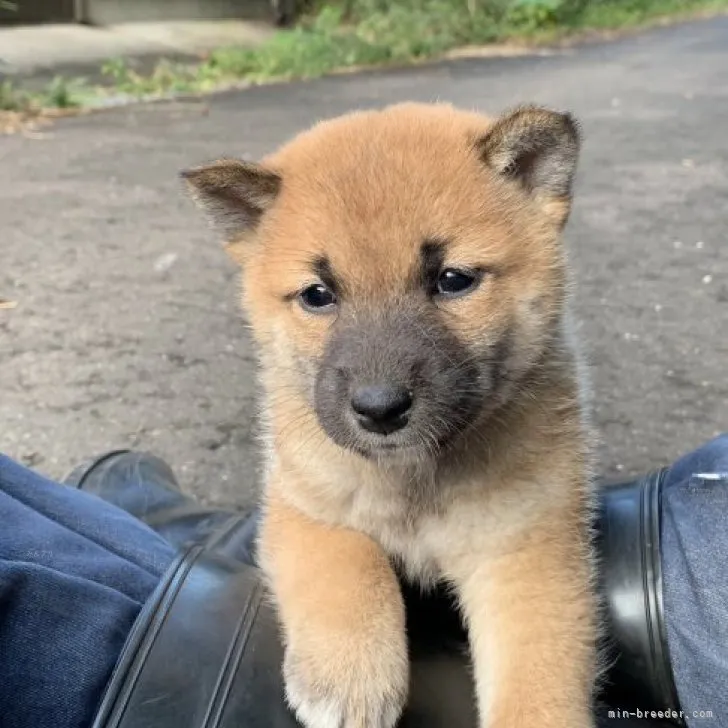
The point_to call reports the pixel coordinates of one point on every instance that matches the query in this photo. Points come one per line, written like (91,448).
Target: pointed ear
(234,194)
(539,149)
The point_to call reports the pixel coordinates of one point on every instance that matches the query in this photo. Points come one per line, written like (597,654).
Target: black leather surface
(204,654)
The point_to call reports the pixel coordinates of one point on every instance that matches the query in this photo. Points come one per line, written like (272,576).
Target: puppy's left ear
(538,149)
(234,194)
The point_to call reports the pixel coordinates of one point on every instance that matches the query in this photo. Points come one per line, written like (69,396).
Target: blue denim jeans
(695,581)
(74,573)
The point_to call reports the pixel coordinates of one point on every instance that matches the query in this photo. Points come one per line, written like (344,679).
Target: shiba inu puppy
(405,280)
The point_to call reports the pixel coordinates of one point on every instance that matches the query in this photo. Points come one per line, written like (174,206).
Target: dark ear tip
(190,174)
(572,125)
(568,124)
(219,165)
(565,120)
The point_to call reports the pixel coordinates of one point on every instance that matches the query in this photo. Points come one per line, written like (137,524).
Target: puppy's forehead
(369,189)
(403,152)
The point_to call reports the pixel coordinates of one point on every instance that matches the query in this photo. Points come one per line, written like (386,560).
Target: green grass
(356,33)
(11,98)
(60,93)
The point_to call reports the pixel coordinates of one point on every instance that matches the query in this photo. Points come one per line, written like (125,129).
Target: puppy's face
(402,268)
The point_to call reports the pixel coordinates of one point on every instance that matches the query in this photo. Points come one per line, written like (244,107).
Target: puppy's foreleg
(343,622)
(531,619)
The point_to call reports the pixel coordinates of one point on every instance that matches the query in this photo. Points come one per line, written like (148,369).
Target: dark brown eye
(453,282)
(317,298)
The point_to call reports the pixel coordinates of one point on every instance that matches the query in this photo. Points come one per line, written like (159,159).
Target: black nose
(382,407)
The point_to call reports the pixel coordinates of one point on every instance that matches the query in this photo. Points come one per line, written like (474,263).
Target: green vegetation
(11,98)
(356,33)
(63,93)
(60,93)
(353,33)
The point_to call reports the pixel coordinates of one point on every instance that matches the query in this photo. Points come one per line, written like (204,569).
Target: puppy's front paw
(341,685)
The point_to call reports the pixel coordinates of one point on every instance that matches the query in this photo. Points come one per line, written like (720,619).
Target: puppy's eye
(317,298)
(452,282)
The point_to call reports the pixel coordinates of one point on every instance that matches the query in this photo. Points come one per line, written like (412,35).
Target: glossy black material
(203,653)
(145,486)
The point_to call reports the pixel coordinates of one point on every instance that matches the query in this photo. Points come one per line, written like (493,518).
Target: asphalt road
(126,331)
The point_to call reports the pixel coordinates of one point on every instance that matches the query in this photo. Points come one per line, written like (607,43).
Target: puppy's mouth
(389,451)
(412,441)
(372,445)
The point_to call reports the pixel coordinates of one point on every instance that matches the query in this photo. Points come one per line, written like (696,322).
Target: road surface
(126,331)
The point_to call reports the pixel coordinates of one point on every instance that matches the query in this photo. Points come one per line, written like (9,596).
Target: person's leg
(695,580)
(74,573)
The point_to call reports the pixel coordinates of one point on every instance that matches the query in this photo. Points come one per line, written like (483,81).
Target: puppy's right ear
(234,194)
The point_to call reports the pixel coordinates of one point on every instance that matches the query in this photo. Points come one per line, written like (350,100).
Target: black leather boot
(206,651)
(145,486)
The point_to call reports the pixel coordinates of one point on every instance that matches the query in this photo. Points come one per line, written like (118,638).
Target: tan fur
(507,521)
